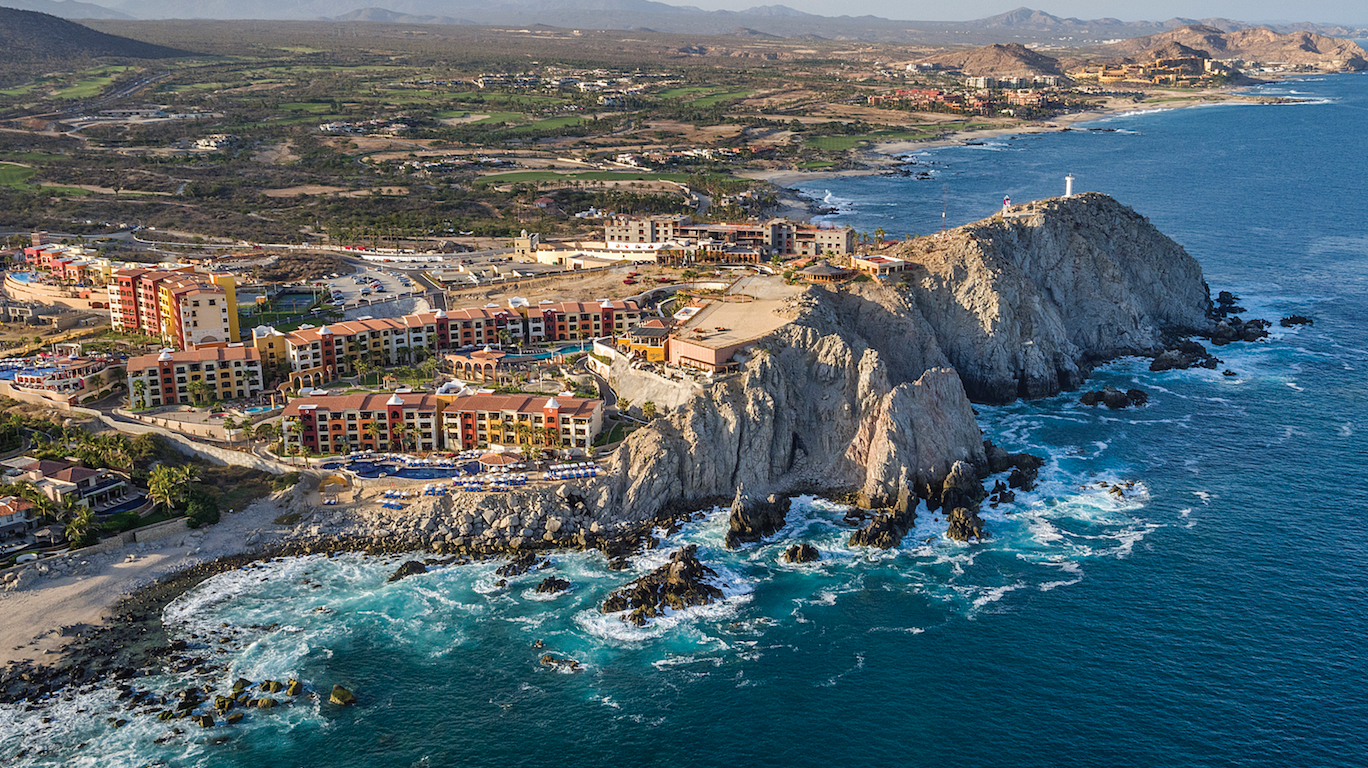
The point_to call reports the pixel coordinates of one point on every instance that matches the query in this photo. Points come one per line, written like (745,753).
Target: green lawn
(817,165)
(14,175)
(551,124)
(675,93)
(520,176)
(708,101)
(96,80)
(32,157)
(500,117)
(19,90)
(312,107)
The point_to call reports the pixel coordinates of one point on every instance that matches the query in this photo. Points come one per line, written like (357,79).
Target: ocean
(1210,611)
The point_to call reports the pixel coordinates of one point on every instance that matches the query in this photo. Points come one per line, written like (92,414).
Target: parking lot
(372,284)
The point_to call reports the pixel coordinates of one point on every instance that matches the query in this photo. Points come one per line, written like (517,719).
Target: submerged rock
(676,585)
(1291,320)
(519,565)
(410,568)
(1114,398)
(752,519)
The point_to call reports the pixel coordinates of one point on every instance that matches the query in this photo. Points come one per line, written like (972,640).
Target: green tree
(199,391)
(139,394)
(648,409)
(81,530)
(230,426)
(166,486)
(373,432)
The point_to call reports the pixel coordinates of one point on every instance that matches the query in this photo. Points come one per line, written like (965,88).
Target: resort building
(178,305)
(483,420)
(319,355)
(647,341)
(16,517)
(229,372)
(484,365)
(824,273)
(60,381)
(880,267)
(773,237)
(402,421)
(102,490)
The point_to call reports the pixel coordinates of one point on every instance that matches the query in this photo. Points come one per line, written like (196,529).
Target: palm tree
(199,390)
(399,431)
(364,368)
(230,426)
(80,526)
(648,409)
(139,394)
(373,432)
(165,486)
(430,366)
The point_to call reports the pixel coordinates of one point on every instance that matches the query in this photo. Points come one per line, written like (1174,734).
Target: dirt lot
(318,189)
(590,287)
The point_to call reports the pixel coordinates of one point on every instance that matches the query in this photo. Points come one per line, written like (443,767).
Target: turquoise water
(22,277)
(1214,616)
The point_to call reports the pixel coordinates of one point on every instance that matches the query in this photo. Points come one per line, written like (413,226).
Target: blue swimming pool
(22,277)
(374,469)
(131,504)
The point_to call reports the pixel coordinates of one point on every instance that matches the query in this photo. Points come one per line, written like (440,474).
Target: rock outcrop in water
(1025,306)
(754,519)
(678,584)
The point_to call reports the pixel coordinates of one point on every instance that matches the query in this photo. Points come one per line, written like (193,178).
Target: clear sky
(1321,11)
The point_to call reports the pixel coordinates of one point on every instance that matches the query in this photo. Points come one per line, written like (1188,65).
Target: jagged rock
(678,584)
(266,703)
(1291,320)
(1137,397)
(235,718)
(885,530)
(551,661)
(801,553)
(1228,372)
(965,524)
(752,520)
(294,688)
(962,487)
(1114,398)
(410,568)
(551,585)
(203,721)
(520,564)
(272,686)
(341,696)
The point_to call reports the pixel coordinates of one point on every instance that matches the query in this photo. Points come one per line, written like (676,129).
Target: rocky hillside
(999,60)
(30,36)
(1257,44)
(1023,307)
(854,394)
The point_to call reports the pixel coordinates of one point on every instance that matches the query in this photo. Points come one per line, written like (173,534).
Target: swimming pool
(373,469)
(22,277)
(254,410)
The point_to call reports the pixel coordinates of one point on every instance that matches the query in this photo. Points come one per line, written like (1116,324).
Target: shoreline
(882,157)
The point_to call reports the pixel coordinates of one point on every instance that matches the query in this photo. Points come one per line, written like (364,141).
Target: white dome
(441,314)
(552,404)
(395,400)
(324,331)
(164,356)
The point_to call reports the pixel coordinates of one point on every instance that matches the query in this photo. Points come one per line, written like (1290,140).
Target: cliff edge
(1024,306)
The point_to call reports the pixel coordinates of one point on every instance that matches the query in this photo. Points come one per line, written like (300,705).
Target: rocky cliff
(1024,306)
(854,393)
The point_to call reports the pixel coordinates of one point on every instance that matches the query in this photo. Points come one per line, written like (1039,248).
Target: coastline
(882,157)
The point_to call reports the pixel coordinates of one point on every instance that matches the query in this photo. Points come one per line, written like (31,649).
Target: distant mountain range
(30,36)
(1302,48)
(1023,25)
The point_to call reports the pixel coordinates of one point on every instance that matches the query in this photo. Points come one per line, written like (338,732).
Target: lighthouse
(1068,185)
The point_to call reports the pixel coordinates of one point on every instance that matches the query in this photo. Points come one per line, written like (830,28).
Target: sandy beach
(32,617)
(884,156)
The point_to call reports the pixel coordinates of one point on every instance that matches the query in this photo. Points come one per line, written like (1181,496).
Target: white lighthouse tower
(1068,185)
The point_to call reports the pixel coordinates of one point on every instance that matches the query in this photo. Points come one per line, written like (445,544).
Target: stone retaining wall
(191,447)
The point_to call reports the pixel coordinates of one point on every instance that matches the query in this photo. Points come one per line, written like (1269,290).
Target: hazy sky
(1323,11)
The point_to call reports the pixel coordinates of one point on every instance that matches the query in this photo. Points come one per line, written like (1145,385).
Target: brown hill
(1259,44)
(30,36)
(999,60)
